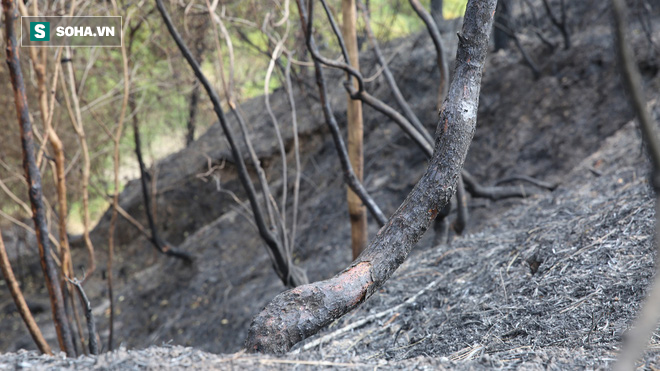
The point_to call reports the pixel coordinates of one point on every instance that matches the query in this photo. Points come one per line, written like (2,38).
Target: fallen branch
(493,193)
(301,312)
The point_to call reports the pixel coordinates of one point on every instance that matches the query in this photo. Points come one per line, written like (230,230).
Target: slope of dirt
(479,298)
(553,284)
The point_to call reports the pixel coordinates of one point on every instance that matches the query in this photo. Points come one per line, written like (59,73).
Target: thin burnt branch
(91,324)
(530,180)
(360,93)
(398,96)
(432,27)
(512,34)
(161,245)
(561,25)
(33,177)
(349,175)
(289,274)
(493,193)
(303,311)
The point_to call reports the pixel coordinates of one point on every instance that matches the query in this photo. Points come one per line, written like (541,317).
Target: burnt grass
(550,281)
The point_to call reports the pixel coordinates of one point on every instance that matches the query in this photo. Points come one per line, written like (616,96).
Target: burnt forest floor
(550,281)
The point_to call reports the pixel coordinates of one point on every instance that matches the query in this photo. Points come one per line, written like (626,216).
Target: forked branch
(288,273)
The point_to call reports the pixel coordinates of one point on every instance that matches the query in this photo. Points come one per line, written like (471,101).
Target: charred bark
(301,312)
(91,324)
(192,115)
(33,177)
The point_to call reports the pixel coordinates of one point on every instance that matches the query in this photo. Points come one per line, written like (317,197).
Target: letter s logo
(39,31)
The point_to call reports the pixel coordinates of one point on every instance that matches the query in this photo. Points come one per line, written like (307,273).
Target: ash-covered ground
(552,281)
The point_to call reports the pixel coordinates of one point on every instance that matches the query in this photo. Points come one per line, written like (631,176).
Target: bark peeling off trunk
(296,314)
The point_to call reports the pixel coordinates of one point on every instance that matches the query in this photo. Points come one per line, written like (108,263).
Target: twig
(512,34)
(432,28)
(560,24)
(296,147)
(91,324)
(530,180)
(161,245)
(396,92)
(76,121)
(278,135)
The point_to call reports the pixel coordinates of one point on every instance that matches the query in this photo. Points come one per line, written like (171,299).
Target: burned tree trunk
(33,177)
(356,209)
(301,312)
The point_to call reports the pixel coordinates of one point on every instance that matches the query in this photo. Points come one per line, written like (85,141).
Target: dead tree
(301,312)
(356,210)
(289,274)
(33,177)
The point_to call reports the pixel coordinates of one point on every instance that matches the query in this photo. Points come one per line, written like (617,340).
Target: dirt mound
(565,270)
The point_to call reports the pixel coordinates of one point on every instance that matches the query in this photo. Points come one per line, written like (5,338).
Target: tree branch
(289,274)
(303,311)
(21,305)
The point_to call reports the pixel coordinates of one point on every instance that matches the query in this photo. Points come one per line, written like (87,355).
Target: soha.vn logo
(39,31)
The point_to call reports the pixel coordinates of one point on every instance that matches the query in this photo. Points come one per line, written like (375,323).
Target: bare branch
(91,324)
(432,27)
(288,273)
(21,305)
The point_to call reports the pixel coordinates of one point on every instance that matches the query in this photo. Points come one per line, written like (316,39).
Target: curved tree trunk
(301,312)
